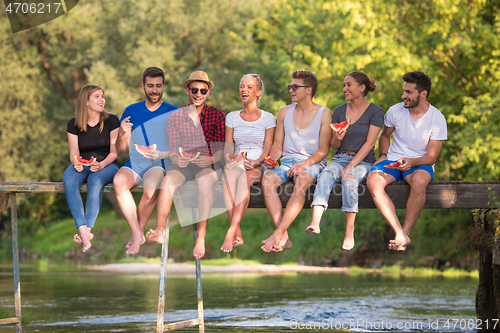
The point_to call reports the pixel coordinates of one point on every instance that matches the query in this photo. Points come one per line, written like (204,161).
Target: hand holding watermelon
(235,159)
(340,127)
(271,163)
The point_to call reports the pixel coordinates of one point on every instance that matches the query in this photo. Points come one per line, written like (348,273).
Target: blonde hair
(81,113)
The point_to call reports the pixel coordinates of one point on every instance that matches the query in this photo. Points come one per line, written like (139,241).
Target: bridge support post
(485,237)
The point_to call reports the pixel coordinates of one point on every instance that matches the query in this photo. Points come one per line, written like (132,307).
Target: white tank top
(301,143)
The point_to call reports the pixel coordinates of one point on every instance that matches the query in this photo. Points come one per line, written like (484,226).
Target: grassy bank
(440,240)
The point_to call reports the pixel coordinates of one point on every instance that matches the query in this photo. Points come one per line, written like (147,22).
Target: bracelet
(382,154)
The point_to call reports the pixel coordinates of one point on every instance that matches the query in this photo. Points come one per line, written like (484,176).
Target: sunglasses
(194,91)
(293,87)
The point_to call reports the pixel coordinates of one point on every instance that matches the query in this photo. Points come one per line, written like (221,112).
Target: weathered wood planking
(455,194)
(470,195)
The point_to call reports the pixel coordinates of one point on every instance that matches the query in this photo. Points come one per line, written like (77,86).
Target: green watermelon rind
(85,162)
(395,165)
(144,149)
(193,157)
(237,159)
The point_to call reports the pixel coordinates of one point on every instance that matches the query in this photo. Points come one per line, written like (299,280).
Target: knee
(270,182)
(149,194)
(419,186)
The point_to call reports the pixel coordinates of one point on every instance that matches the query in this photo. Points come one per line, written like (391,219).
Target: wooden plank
(7,321)
(181,324)
(4,201)
(468,195)
(48,187)
(452,194)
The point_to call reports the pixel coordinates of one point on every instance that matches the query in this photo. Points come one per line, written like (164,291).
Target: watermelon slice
(191,157)
(276,163)
(236,159)
(341,127)
(395,165)
(145,149)
(85,162)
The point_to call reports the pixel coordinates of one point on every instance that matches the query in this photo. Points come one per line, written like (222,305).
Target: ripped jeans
(331,175)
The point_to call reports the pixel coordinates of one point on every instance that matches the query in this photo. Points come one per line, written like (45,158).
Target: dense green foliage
(109,43)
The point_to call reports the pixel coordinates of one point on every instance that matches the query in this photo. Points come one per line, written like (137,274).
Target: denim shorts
(287,163)
(401,175)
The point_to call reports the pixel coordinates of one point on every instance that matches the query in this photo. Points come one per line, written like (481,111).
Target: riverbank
(188,269)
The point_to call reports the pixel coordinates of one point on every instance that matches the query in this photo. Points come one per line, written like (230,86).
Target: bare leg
(279,239)
(205,179)
(270,184)
(242,199)
(418,180)
(377,182)
(172,181)
(124,180)
(313,227)
(230,181)
(349,231)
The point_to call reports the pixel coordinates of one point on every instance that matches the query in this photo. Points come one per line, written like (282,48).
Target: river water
(66,298)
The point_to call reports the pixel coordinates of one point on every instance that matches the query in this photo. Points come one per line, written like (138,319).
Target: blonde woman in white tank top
(249,130)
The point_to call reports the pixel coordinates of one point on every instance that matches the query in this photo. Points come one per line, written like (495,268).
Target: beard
(154,100)
(413,103)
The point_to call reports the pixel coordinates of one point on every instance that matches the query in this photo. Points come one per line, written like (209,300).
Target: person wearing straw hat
(197,130)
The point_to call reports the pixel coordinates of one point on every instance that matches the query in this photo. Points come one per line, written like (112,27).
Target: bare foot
(156,236)
(227,246)
(135,244)
(269,244)
(313,229)
(288,244)
(78,240)
(199,248)
(84,238)
(348,242)
(130,241)
(399,243)
(238,241)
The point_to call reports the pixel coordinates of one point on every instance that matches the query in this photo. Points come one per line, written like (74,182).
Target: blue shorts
(401,175)
(286,164)
(141,172)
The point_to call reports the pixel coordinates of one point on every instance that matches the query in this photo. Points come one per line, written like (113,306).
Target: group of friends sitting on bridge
(169,145)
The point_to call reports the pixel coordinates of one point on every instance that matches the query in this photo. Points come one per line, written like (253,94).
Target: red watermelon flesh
(190,157)
(341,127)
(276,163)
(145,149)
(236,159)
(395,165)
(85,162)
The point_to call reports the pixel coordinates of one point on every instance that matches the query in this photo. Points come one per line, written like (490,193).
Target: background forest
(111,42)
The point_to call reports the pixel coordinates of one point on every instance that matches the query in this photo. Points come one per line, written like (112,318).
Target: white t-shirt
(250,136)
(411,136)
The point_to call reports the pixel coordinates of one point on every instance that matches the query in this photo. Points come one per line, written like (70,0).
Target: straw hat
(198,76)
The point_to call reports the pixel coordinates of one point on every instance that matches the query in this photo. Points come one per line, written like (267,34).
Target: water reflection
(69,299)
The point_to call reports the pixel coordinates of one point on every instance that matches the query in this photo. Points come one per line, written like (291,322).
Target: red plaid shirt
(206,139)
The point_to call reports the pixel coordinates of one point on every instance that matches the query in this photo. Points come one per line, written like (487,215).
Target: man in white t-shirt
(418,131)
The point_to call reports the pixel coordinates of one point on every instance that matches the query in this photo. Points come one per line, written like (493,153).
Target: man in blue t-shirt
(143,124)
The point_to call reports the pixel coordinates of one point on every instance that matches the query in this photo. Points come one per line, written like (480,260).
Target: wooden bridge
(449,195)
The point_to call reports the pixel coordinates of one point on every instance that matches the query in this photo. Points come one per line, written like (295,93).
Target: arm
(429,159)
(279,136)
(325,134)
(371,138)
(383,143)
(96,166)
(123,135)
(74,151)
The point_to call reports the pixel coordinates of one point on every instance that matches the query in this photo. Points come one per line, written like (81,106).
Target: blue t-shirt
(148,127)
